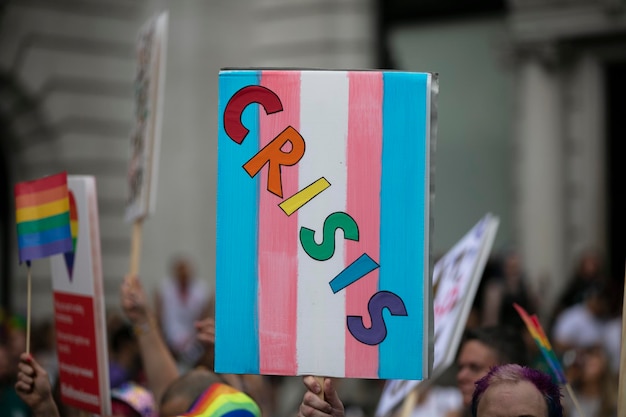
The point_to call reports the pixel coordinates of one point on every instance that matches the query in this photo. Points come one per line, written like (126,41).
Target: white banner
(456,277)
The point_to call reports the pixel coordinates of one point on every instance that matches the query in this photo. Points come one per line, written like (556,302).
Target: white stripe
(321,314)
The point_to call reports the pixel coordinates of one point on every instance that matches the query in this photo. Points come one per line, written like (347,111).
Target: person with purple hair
(512,390)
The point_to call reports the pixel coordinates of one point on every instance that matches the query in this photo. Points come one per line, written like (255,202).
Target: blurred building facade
(529,127)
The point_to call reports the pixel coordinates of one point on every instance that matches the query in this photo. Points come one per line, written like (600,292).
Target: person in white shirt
(182,300)
(582,325)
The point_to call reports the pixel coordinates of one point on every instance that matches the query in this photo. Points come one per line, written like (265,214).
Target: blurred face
(512,265)
(182,271)
(590,267)
(512,399)
(594,365)
(474,361)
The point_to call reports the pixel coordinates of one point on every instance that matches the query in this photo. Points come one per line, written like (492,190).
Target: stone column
(539,175)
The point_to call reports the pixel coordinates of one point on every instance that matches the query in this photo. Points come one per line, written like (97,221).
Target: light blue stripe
(402,220)
(236,326)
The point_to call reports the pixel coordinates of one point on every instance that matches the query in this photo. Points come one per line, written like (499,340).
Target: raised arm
(158,362)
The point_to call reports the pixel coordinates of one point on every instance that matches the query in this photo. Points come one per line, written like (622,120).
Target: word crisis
(277,154)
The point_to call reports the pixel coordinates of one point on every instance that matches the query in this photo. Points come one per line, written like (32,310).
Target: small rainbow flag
(537,333)
(43,217)
(221,400)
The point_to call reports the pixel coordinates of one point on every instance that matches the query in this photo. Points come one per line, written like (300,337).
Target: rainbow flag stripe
(540,338)
(43,217)
(222,400)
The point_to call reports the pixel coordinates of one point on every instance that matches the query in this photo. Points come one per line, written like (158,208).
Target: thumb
(330,394)
(39,370)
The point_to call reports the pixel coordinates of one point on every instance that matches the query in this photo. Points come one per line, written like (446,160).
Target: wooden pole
(570,391)
(408,405)
(135,247)
(320,380)
(621,393)
(28,307)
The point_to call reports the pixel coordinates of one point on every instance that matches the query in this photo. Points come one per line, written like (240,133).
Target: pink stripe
(278,238)
(364,169)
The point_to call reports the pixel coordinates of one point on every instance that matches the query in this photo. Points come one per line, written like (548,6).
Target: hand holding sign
(33,387)
(320,400)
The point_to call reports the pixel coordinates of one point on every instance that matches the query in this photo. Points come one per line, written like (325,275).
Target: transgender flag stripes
(367,134)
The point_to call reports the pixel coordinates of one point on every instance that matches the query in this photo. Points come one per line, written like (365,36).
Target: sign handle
(621,404)
(570,391)
(320,380)
(409,403)
(28,306)
(135,247)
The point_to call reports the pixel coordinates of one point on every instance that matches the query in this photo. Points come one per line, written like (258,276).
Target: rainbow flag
(43,217)
(356,157)
(222,400)
(537,333)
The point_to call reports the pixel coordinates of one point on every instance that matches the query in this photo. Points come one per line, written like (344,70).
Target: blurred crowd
(161,349)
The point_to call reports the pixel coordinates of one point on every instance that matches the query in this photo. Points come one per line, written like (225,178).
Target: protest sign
(317,152)
(456,277)
(146,134)
(79,315)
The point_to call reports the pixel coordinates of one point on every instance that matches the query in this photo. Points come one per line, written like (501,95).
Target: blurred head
(132,400)
(182,270)
(512,390)
(511,264)
(125,357)
(592,364)
(597,300)
(589,265)
(182,393)
(483,348)
(222,400)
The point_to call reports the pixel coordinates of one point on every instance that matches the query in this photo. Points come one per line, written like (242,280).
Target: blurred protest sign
(146,134)
(79,313)
(456,277)
(323,151)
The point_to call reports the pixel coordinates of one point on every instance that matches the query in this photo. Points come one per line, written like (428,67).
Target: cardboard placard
(146,135)
(79,308)
(323,223)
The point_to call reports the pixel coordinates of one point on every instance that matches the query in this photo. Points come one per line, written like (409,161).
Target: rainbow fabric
(537,333)
(43,217)
(221,400)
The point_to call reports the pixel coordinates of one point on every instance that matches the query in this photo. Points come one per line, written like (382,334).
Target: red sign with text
(76,341)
